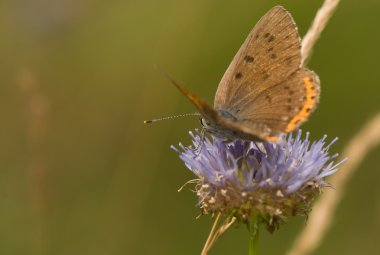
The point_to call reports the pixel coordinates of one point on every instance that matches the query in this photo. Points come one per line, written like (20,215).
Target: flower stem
(253,228)
(211,235)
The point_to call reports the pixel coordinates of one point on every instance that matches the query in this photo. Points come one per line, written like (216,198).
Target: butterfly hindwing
(285,106)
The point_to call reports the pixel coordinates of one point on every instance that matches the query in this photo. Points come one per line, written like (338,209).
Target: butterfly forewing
(268,56)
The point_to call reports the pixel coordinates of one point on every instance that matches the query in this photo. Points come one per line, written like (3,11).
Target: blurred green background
(81,174)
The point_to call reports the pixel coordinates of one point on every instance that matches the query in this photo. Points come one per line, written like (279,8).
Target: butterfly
(265,91)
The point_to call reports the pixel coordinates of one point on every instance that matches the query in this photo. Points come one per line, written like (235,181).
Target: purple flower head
(274,180)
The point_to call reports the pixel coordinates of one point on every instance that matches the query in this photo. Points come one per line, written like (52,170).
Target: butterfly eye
(204,122)
(201,120)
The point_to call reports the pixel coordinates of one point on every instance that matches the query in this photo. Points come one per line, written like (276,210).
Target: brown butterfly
(265,90)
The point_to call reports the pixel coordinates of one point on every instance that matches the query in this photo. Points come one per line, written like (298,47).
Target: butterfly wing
(285,106)
(226,128)
(203,107)
(269,55)
(264,86)
(282,108)
(264,83)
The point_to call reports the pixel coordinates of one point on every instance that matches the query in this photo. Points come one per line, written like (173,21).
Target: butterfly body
(265,90)
(224,127)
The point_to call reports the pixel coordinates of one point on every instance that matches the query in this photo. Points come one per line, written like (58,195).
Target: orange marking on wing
(272,139)
(311,96)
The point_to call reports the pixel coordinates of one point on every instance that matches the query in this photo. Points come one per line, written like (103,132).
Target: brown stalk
(36,113)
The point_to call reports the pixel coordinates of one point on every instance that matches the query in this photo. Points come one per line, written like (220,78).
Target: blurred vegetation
(81,174)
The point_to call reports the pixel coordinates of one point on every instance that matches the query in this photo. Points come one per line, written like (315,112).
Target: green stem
(253,227)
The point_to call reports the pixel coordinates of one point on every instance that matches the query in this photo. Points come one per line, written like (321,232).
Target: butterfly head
(204,122)
(216,126)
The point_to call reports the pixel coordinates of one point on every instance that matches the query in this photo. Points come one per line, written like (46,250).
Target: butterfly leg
(198,149)
(257,147)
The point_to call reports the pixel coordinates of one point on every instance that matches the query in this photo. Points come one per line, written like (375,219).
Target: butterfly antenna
(171,117)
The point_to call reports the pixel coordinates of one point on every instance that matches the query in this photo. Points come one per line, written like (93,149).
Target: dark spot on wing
(265,76)
(291,92)
(257,36)
(312,98)
(267,35)
(289,100)
(271,38)
(308,109)
(297,122)
(248,59)
(267,97)
(273,56)
(238,76)
(288,60)
(286,87)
